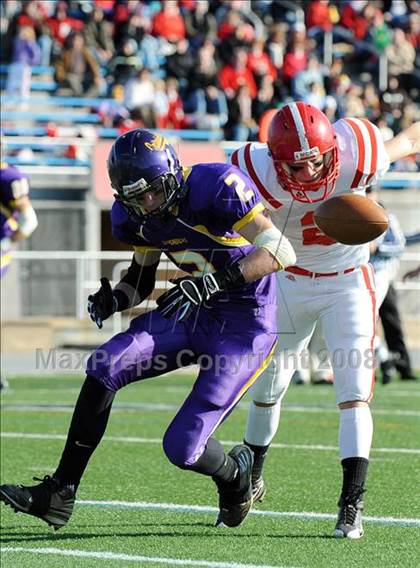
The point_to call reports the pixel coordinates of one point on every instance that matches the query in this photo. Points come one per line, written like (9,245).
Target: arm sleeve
(139,279)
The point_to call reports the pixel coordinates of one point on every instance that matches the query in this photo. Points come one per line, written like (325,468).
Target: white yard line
(134,558)
(151,407)
(136,440)
(180,508)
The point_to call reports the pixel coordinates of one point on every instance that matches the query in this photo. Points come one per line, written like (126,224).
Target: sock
(354,476)
(356,431)
(87,427)
(262,424)
(216,463)
(260,453)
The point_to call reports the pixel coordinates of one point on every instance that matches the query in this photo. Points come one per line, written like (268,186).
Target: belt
(304,272)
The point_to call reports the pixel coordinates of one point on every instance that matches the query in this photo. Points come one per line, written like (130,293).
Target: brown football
(351,219)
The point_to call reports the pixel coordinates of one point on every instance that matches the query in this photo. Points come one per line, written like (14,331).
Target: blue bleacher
(75,118)
(36,70)
(103,132)
(44,86)
(46,161)
(61,101)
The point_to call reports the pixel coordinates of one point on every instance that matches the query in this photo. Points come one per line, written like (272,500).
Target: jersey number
(311,234)
(244,194)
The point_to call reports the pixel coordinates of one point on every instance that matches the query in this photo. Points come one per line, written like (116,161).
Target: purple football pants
(232,348)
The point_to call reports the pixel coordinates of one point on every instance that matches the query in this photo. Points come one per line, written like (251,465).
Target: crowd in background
(220,65)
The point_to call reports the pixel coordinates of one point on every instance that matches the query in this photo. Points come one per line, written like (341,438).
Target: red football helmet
(300,132)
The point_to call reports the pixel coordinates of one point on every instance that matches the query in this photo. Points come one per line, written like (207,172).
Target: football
(351,219)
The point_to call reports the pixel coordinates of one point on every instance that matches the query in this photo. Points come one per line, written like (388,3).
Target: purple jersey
(13,186)
(203,235)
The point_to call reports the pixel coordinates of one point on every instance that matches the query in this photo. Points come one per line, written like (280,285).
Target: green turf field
(135,508)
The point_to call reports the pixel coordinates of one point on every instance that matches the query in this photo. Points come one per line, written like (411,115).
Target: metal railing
(88,271)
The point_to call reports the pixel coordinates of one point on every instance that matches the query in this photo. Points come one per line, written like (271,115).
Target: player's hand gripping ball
(351,219)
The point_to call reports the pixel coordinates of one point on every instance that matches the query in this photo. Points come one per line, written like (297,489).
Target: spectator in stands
(161,104)
(181,63)
(77,69)
(353,101)
(353,19)
(241,123)
(134,27)
(315,96)
(30,13)
(200,24)
(371,102)
(236,74)
(206,109)
(385,130)
(276,44)
(26,52)
(234,32)
(139,94)
(330,108)
(397,13)
(215,110)
(98,36)
(413,30)
(317,15)
(206,67)
(401,59)
(392,103)
(45,42)
(302,81)
(259,62)
(125,63)
(169,23)
(265,99)
(379,34)
(296,58)
(176,115)
(62,25)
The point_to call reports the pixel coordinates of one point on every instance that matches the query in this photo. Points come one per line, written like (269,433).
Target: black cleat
(235,499)
(49,501)
(259,490)
(349,522)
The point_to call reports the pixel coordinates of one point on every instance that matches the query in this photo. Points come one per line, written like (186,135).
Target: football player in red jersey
(306,160)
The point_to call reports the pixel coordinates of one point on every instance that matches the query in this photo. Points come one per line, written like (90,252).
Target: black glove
(187,294)
(102,304)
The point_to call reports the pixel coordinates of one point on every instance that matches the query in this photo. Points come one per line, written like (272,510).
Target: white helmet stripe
(299,127)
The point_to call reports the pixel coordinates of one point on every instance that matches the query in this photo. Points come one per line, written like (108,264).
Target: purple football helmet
(141,161)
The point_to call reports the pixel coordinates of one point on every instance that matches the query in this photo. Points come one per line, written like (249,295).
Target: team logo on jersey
(158,143)
(173,242)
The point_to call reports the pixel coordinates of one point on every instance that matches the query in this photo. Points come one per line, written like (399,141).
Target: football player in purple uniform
(18,219)
(209,221)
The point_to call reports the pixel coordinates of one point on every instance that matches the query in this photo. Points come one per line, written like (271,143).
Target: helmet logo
(158,143)
(305,154)
(132,189)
